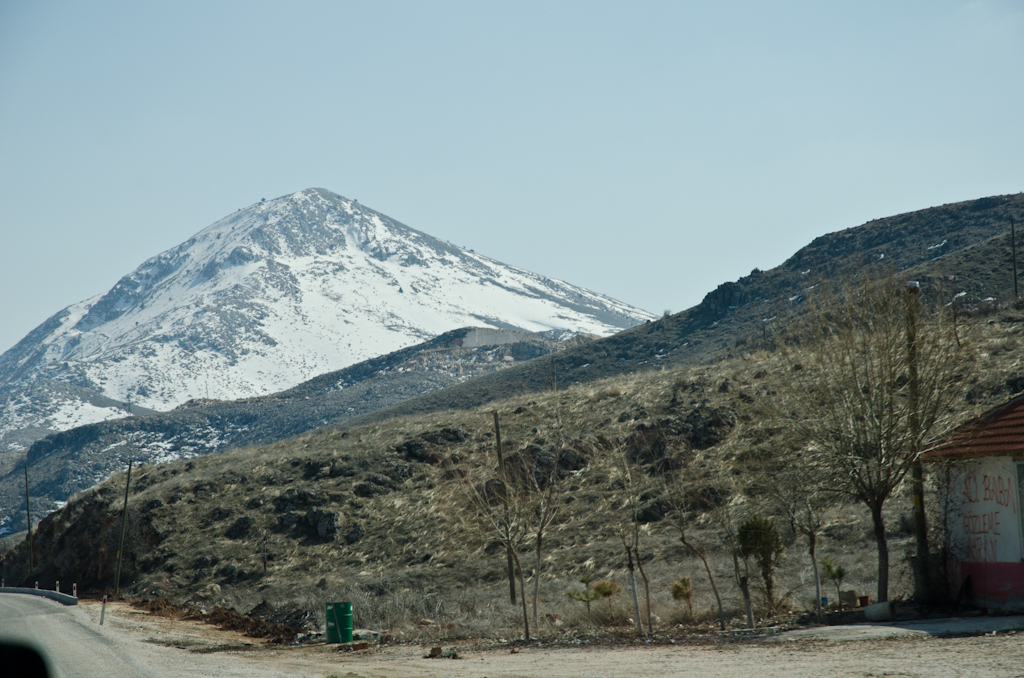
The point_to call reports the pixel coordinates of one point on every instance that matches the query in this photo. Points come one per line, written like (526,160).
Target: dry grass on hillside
(361,515)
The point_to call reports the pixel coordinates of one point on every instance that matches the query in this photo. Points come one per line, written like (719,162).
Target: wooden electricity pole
(28,511)
(124,523)
(916,472)
(1013,248)
(504,479)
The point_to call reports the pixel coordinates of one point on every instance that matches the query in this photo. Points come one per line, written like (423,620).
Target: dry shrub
(416,616)
(612,391)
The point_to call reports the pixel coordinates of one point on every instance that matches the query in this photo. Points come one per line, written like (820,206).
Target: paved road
(73,645)
(951,627)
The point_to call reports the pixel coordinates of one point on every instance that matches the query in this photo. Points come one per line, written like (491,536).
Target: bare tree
(683,490)
(797,493)
(851,384)
(544,495)
(500,507)
(728,522)
(545,484)
(516,508)
(632,482)
(497,508)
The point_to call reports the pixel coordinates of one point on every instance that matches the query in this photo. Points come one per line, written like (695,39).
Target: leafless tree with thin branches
(796,492)
(498,508)
(632,481)
(683,487)
(874,373)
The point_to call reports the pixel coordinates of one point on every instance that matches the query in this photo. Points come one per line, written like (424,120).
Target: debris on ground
(224,618)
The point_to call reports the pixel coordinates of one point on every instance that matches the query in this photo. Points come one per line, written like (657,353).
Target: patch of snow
(280,292)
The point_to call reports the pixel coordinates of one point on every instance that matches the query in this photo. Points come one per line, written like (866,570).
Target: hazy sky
(649,151)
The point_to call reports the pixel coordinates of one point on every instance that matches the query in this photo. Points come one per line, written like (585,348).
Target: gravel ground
(133,642)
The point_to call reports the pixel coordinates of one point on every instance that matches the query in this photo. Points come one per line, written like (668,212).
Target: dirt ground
(214,652)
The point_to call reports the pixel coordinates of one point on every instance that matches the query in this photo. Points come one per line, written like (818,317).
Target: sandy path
(210,652)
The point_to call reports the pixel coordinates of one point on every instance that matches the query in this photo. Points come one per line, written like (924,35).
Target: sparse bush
(587,595)
(682,589)
(835,573)
(608,614)
(606,588)
(759,539)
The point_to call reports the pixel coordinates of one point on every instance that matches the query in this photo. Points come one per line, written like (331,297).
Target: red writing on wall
(982,549)
(986,523)
(982,536)
(998,489)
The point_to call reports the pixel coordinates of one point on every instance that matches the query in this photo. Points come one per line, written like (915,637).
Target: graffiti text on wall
(989,502)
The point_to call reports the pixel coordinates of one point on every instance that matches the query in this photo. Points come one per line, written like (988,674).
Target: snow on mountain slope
(282,291)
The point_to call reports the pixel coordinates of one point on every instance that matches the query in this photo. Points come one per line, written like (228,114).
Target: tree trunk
(522,587)
(711,579)
(536,577)
(636,599)
(504,479)
(647,590)
(511,575)
(811,539)
(916,472)
(769,589)
(883,552)
(745,589)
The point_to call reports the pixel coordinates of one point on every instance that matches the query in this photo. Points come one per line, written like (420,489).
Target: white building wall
(982,511)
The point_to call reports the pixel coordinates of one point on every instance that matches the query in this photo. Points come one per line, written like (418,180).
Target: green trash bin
(339,622)
(344,611)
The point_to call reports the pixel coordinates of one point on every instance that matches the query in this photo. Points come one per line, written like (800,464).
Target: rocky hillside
(379,513)
(958,250)
(274,295)
(64,463)
(30,413)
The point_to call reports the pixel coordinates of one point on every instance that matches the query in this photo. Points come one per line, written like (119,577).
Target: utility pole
(124,522)
(916,472)
(28,511)
(501,476)
(1013,247)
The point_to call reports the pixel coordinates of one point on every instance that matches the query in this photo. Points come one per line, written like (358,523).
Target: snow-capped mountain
(281,291)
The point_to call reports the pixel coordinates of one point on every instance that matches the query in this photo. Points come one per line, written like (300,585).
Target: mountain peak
(283,290)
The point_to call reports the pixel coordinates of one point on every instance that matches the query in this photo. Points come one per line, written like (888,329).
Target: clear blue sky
(646,150)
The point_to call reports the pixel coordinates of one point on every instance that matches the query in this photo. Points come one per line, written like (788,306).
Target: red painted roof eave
(966,453)
(998,432)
